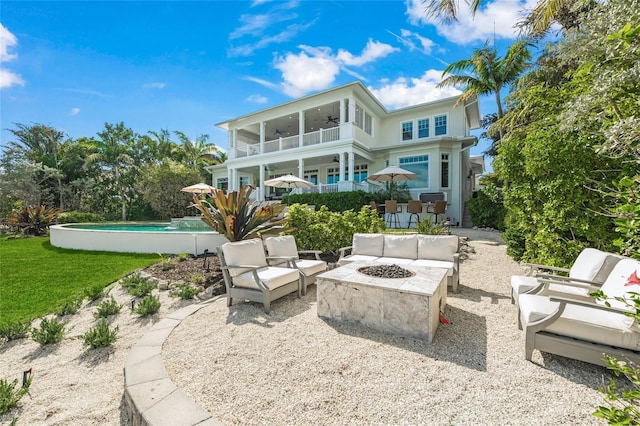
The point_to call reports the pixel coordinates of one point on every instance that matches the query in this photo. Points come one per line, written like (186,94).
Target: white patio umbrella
(392,174)
(288,181)
(198,188)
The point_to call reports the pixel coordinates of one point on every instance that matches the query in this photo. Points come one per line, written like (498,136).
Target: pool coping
(150,396)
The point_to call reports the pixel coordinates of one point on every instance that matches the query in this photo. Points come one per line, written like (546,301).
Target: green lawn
(36,277)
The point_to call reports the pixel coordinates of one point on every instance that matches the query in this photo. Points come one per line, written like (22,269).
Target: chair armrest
(251,267)
(343,250)
(550,279)
(277,260)
(316,252)
(586,302)
(532,268)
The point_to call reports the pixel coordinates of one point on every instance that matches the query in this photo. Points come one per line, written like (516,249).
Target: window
(333,175)
(222,183)
(444,170)
(367,123)
(359,119)
(311,176)
(244,180)
(418,165)
(360,173)
(407,131)
(423,128)
(440,123)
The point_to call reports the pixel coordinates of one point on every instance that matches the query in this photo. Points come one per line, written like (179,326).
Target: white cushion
(593,265)
(616,284)
(356,258)
(404,246)
(311,267)
(580,322)
(368,244)
(394,260)
(247,252)
(522,283)
(272,276)
(437,247)
(282,246)
(434,264)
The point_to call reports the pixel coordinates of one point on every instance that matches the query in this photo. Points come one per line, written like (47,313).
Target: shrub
(487,209)
(69,307)
(198,279)
(183,256)
(94,293)
(107,307)
(79,217)
(51,331)
(137,286)
(14,330)
(429,228)
(184,291)
(328,231)
(9,395)
(32,220)
(336,201)
(101,335)
(148,306)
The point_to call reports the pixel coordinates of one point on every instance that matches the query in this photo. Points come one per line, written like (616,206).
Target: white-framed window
(333,175)
(444,170)
(244,180)
(222,183)
(359,118)
(418,164)
(368,123)
(407,130)
(311,176)
(360,173)
(440,124)
(423,128)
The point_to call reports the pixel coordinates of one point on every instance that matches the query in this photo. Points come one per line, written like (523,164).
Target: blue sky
(75,65)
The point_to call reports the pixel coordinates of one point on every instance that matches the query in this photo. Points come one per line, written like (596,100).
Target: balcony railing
(247,149)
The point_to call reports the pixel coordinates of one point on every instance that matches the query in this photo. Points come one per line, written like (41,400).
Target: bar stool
(439,208)
(392,209)
(414,208)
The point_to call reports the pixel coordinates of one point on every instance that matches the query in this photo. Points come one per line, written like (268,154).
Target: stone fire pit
(386,271)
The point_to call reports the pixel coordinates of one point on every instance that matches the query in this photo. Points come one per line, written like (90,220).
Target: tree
(199,153)
(160,185)
(113,155)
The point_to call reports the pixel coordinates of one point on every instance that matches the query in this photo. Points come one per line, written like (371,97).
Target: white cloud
(257,99)
(372,51)
(8,40)
(495,17)
(8,79)
(262,82)
(287,34)
(302,73)
(74,111)
(154,85)
(405,92)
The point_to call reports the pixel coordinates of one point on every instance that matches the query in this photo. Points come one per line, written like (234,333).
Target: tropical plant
(487,208)
(427,227)
(234,216)
(50,331)
(33,220)
(160,185)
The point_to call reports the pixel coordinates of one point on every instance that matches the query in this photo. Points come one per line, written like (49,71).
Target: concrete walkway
(151,398)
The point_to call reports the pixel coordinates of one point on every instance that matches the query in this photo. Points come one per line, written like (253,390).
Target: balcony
(247,148)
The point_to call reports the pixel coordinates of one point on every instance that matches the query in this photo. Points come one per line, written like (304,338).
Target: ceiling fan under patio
(331,119)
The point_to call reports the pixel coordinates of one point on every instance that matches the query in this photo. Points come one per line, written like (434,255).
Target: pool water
(140,227)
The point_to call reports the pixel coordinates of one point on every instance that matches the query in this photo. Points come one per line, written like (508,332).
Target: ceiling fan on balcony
(332,119)
(336,159)
(279,132)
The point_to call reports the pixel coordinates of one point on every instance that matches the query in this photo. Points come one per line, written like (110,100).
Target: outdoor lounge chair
(592,266)
(248,276)
(284,249)
(581,327)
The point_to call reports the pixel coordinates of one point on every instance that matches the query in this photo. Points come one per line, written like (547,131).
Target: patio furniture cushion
(437,247)
(248,252)
(272,276)
(368,244)
(282,246)
(311,267)
(402,246)
(434,264)
(394,260)
(593,265)
(617,282)
(357,258)
(579,322)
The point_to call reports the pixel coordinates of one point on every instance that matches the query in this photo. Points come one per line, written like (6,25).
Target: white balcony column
(352,165)
(301,129)
(261,186)
(352,109)
(301,168)
(263,126)
(341,157)
(231,179)
(343,112)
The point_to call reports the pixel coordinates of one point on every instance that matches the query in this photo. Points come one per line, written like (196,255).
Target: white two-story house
(336,138)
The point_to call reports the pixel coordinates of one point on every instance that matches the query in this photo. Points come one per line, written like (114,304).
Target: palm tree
(111,153)
(196,150)
(486,72)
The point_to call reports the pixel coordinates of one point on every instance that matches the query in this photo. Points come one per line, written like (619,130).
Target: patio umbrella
(198,188)
(288,181)
(392,174)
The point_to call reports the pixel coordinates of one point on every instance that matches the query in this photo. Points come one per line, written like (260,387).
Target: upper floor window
(367,123)
(407,131)
(359,119)
(440,122)
(423,128)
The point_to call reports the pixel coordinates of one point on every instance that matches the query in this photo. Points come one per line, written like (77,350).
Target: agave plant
(235,216)
(33,220)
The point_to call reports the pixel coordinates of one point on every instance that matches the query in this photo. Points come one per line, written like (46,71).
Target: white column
(343,113)
(352,109)
(352,165)
(262,136)
(301,129)
(341,157)
(301,168)
(261,186)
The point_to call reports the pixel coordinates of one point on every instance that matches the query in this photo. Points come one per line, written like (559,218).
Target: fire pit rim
(361,268)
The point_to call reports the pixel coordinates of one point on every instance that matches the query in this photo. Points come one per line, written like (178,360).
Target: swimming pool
(193,236)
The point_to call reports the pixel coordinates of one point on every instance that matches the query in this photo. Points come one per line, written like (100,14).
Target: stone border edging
(150,397)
